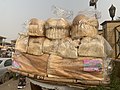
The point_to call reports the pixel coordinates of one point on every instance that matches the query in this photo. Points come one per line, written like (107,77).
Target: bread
(36,27)
(22,43)
(84,26)
(67,48)
(35,45)
(57,28)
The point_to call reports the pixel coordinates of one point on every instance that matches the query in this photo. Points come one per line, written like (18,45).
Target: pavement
(12,85)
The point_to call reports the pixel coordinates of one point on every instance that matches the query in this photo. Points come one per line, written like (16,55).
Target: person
(21,82)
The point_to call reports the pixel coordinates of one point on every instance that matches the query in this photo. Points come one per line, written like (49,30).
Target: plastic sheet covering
(108,67)
(67,48)
(62,13)
(90,12)
(50,46)
(94,47)
(35,45)
(59,67)
(108,49)
(39,62)
(36,27)
(25,64)
(57,28)
(22,43)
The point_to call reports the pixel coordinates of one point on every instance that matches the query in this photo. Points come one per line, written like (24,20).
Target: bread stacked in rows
(76,43)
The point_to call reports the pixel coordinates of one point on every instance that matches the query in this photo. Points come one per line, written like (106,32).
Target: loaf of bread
(22,43)
(91,47)
(84,26)
(57,28)
(35,45)
(50,46)
(36,27)
(67,48)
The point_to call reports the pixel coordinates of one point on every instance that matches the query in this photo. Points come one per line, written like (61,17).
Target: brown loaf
(36,27)
(35,45)
(50,46)
(57,23)
(34,21)
(93,47)
(57,28)
(96,47)
(67,48)
(84,26)
(22,43)
(91,21)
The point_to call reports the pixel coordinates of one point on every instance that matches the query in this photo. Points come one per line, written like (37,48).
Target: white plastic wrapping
(62,13)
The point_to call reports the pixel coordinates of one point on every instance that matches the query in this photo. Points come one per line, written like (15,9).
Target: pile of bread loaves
(59,37)
(72,47)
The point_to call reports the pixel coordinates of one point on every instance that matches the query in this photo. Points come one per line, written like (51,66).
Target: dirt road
(12,85)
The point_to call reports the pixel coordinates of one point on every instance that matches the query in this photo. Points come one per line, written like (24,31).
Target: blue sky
(13,13)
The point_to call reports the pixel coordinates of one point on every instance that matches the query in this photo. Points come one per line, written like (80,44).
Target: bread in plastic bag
(22,43)
(36,27)
(95,47)
(57,28)
(67,48)
(85,24)
(50,46)
(35,45)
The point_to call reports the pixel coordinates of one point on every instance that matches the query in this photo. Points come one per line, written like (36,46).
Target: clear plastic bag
(108,68)
(91,13)
(62,13)
(85,24)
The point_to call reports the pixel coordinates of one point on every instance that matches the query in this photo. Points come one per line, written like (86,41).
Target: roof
(2,37)
(110,21)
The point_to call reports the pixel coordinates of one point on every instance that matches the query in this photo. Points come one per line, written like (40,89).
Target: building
(2,40)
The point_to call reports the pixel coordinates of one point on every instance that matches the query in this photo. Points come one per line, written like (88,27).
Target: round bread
(92,21)
(34,21)
(57,23)
(36,27)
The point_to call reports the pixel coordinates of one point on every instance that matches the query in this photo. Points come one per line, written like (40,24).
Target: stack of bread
(64,50)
